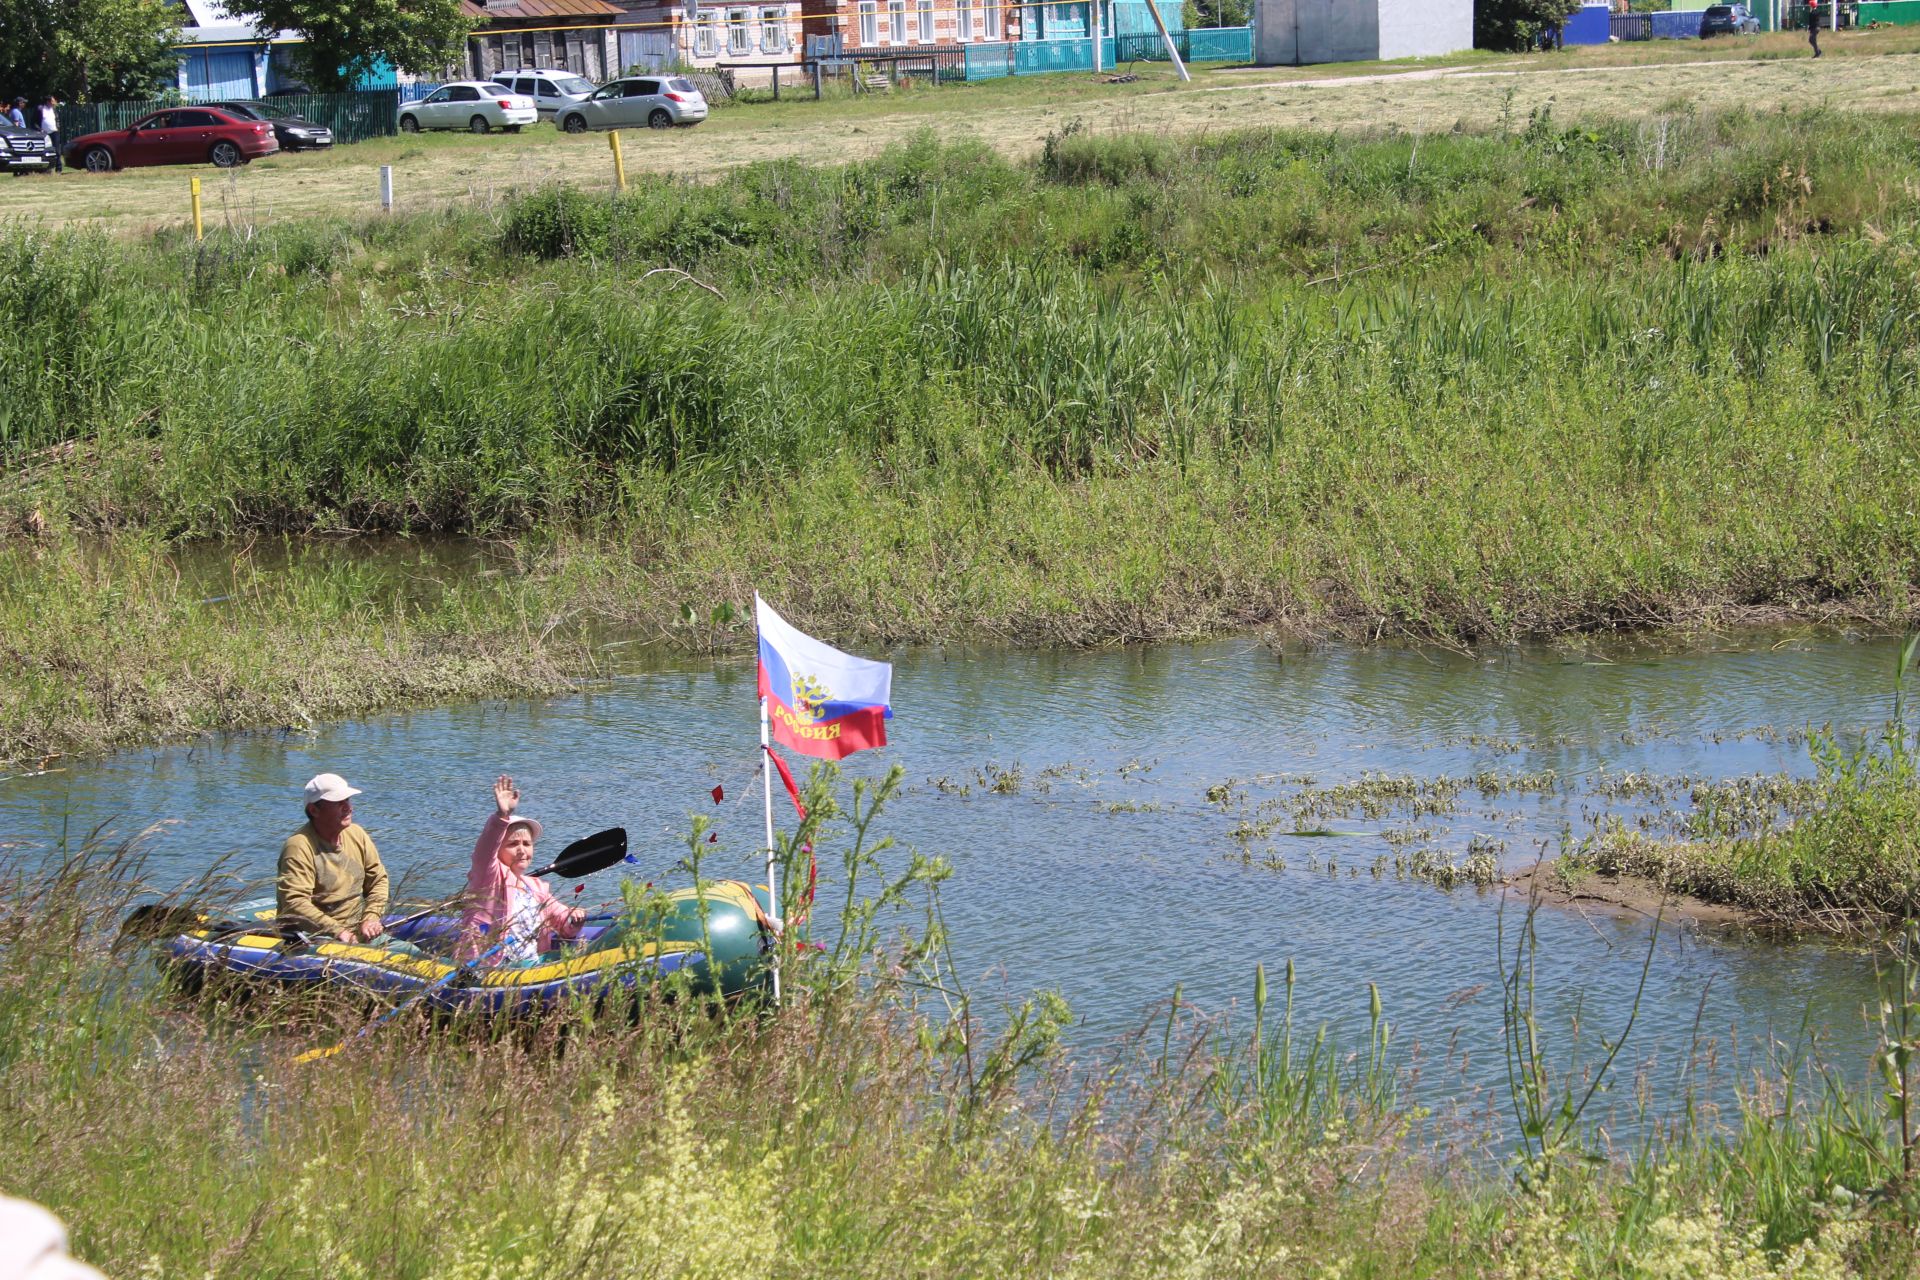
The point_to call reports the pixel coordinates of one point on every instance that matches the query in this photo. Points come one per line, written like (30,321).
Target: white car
(658,102)
(550,90)
(475,105)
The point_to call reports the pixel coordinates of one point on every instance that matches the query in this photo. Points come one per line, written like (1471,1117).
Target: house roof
(520,10)
(208,22)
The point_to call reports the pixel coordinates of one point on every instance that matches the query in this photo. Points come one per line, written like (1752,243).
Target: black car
(1728,20)
(24,150)
(293,133)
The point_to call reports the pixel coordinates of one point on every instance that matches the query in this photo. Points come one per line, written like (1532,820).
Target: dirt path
(438,171)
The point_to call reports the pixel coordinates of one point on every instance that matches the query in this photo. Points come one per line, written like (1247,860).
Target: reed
(1470,387)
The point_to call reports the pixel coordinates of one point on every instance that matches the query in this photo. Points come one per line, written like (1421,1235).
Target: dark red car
(178,135)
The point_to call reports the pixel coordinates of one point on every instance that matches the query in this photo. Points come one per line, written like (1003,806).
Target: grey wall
(1326,30)
(1425,28)
(1301,31)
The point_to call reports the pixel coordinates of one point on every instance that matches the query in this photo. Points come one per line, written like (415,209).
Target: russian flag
(820,701)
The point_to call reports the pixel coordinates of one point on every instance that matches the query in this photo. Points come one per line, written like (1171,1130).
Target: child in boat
(504,903)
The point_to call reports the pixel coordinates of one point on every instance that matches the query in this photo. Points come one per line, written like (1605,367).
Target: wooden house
(570,35)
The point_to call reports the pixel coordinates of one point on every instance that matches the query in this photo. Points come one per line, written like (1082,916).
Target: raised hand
(506,797)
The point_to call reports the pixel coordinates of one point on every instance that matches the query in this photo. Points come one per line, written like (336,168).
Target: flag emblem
(810,697)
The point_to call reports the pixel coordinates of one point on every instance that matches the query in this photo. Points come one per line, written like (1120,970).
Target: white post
(1095,6)
(1153,7)
(773,882)
(386,188)
(1834,8)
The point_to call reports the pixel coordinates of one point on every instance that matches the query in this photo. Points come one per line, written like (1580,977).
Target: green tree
(347,38)
(1218,13)
(88,50)
(1514,24)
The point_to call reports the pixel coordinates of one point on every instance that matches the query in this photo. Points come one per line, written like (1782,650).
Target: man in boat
(330,879)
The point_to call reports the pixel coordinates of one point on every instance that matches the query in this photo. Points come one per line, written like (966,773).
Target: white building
(1301,31)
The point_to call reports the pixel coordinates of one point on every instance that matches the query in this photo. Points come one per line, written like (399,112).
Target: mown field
(1870,72)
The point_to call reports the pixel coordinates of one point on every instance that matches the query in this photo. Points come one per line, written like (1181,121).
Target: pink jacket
(487,885)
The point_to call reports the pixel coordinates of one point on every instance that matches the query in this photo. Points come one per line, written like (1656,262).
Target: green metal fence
(1196,44)
(353,117)
(1034,57)
(1897,12)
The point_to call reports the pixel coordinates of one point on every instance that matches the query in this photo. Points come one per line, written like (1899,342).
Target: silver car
(654,101)
(550,90)
(476,105)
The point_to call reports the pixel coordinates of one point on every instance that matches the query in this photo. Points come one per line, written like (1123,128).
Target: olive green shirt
(324,888)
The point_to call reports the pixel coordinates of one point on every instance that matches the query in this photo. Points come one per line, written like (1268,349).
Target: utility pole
(1153,7)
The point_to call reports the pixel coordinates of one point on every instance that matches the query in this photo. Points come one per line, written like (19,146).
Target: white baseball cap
(520,820)
(329,786)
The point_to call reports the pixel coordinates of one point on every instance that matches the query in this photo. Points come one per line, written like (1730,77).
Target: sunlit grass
(1468,387)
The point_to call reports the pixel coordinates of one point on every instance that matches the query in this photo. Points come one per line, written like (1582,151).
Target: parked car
(182,135)
(655,101)
(24,150)
(293,133)
(550,90)
(1728,20)
(475,105)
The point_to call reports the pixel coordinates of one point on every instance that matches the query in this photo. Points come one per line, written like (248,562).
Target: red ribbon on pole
(786,779)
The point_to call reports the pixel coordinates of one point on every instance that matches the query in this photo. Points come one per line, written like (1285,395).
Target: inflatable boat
(714,935)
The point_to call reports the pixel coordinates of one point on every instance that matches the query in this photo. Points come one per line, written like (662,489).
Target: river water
(1071,793)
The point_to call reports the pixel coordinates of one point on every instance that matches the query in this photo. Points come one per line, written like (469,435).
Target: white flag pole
(773,880)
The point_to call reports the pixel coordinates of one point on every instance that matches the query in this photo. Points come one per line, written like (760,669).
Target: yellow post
(619,161)
(196,209)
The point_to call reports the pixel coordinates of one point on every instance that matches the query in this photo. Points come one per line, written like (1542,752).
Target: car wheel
(478,125)
(660,118)
(409,124)
(98,160)
(513,128)
(574,124)
(225,155)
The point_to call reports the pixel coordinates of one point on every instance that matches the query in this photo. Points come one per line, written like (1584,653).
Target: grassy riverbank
(1838,852)
(1472,386)
(859,1134)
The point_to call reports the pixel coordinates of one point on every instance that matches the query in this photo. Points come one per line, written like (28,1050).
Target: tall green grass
(1467,386)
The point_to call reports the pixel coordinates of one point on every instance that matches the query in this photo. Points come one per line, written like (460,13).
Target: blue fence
(1589,24)
(1036,57)
(1678,24)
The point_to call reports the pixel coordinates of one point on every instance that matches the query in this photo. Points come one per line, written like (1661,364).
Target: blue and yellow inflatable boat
(714,935)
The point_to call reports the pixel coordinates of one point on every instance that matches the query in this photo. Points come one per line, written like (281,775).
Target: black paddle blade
(586,856)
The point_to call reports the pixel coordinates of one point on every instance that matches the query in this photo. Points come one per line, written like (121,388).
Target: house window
(869,23)
(964,18)
(773,31)
(1066,15)
(896,21)
(926,21)
(739,34)
(993,19)
(706,35)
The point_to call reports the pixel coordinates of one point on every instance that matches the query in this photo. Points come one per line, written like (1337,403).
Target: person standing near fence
(50,125)
(1813,25)
(17,113)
